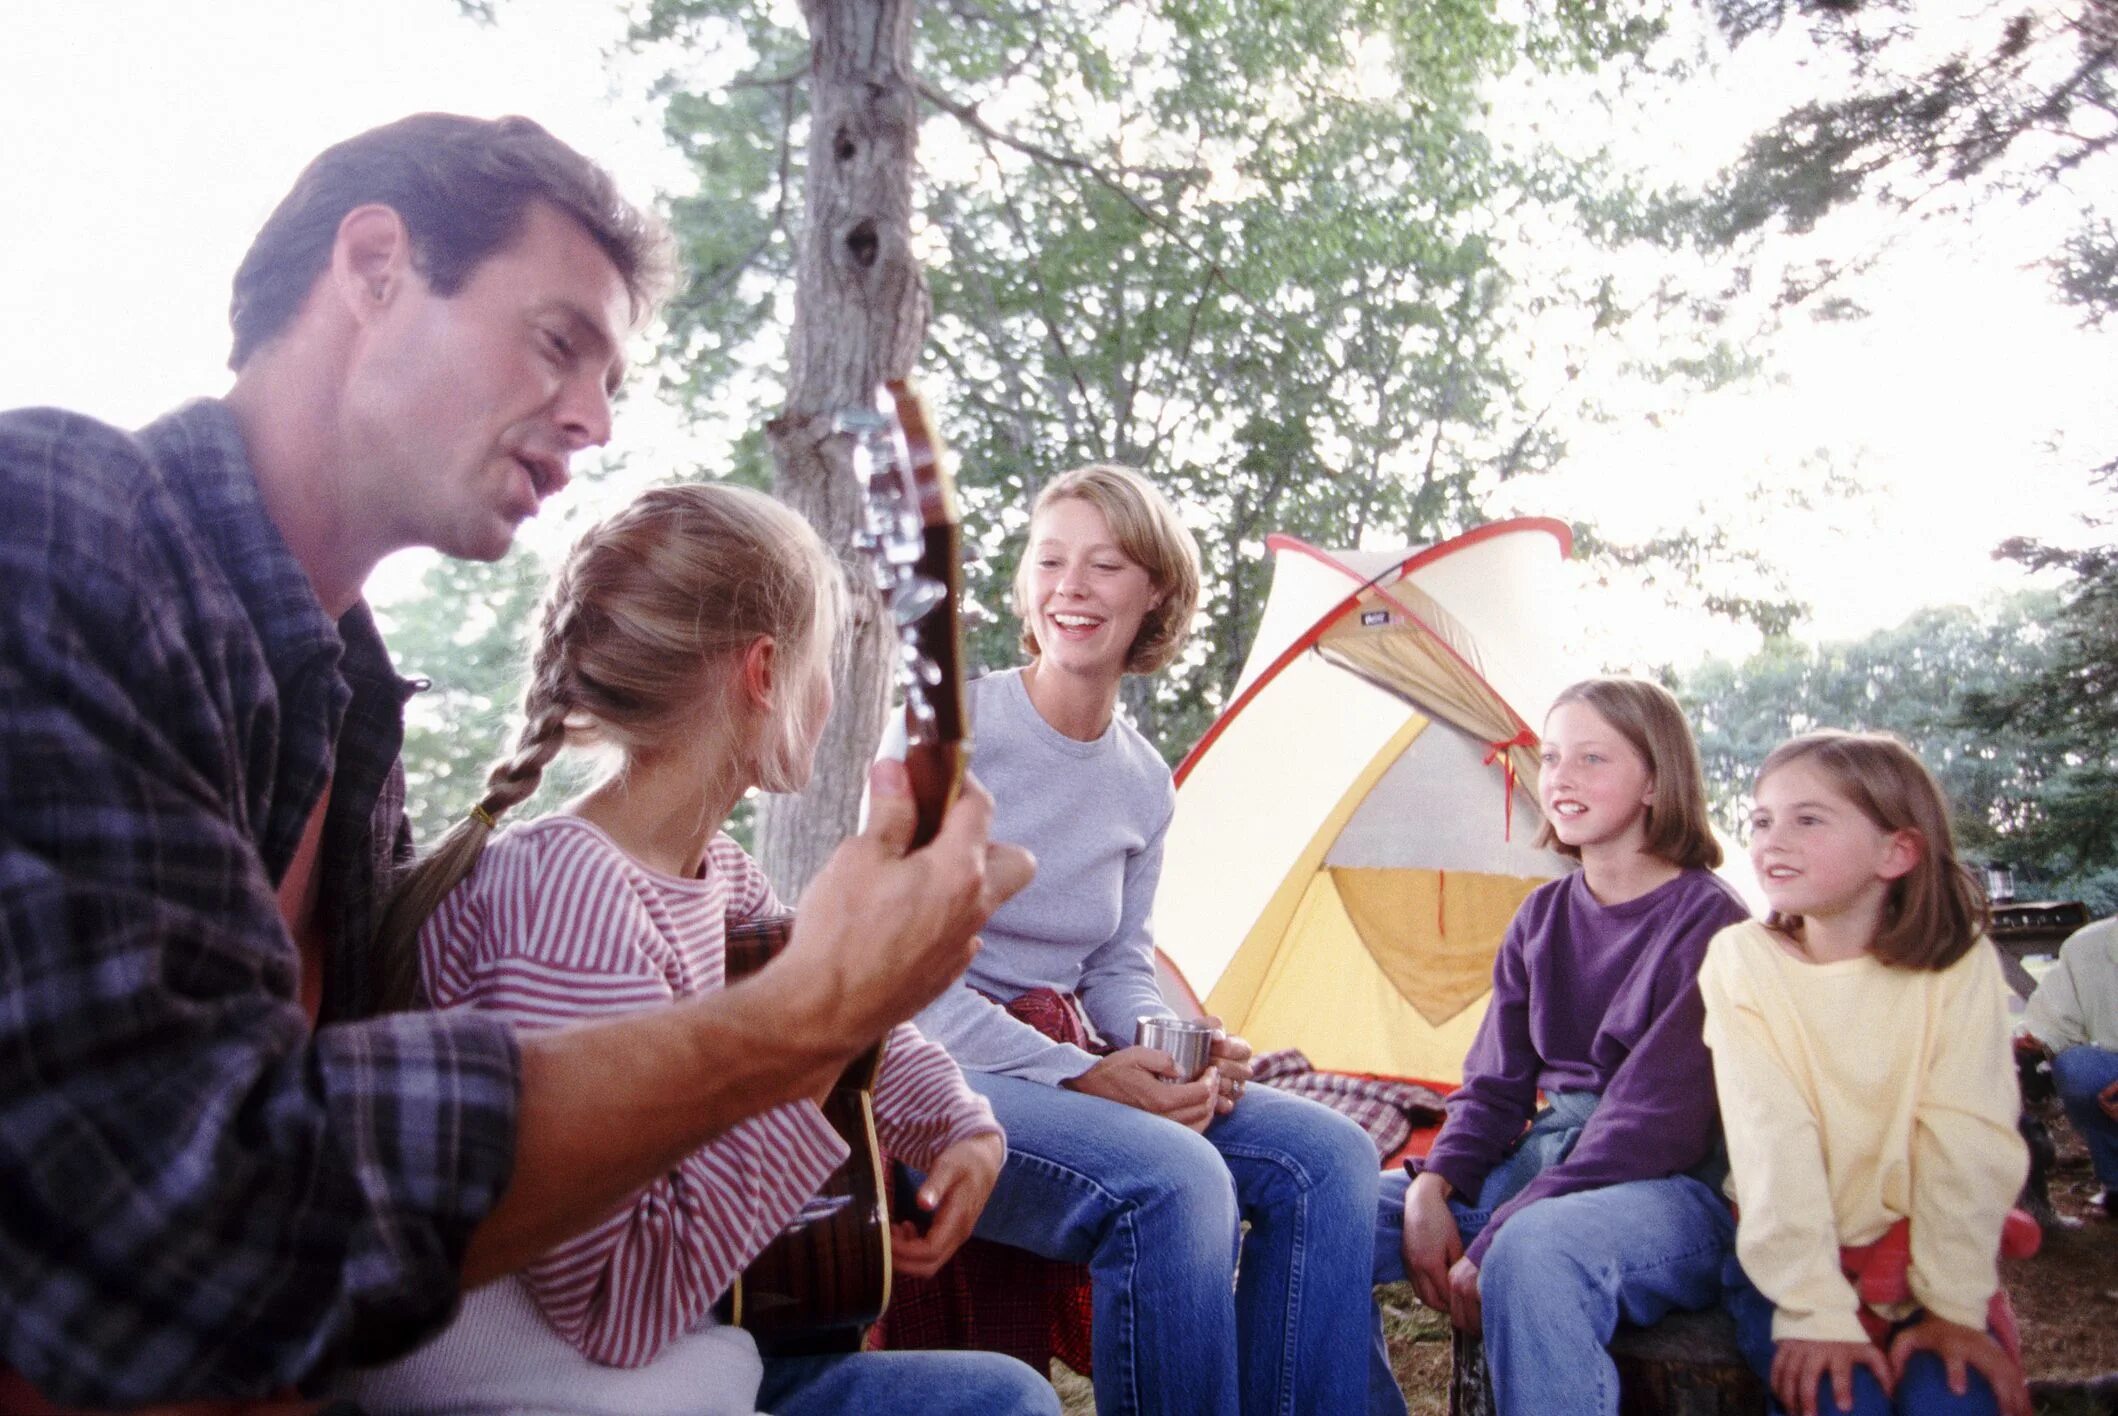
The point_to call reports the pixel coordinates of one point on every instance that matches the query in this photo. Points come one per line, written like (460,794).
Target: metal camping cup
(1188,1044)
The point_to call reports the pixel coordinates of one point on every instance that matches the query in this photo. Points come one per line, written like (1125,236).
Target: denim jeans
(1565,1271)
(2080,1073)
(1153,1209)
(1923,1390)
(906,1384)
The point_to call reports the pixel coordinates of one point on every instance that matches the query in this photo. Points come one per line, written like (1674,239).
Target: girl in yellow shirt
(1860,1045)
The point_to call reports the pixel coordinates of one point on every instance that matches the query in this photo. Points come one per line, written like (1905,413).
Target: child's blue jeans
(1563,1273)
(1922,1391)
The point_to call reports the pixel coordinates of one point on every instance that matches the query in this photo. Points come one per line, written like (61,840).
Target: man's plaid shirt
(199,1194)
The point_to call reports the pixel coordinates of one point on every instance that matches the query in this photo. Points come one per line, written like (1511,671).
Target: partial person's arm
(2055,1014)
(1968,1160)
(1787,1239)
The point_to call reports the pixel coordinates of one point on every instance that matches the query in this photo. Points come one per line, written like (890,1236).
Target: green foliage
(2087,269)
(2017,103)
(2015,779)
(1996,100)
(1264,249)
(466,635)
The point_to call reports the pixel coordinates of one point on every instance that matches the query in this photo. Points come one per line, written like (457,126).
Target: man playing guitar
(227,1171)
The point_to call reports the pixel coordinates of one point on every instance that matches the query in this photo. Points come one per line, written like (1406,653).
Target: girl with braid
(689,640)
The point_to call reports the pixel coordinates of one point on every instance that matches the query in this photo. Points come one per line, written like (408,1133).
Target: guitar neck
(936,738)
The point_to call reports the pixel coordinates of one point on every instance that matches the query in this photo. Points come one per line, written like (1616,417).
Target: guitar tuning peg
(914,598)
(863,423)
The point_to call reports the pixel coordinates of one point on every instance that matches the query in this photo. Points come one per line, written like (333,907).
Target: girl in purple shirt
(1543,1227)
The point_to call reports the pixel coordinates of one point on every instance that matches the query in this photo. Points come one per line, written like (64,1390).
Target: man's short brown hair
(463,187)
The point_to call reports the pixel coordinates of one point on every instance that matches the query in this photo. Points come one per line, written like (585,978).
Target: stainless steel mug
(1186,1043)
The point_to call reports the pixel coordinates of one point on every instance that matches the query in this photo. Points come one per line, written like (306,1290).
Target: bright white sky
(145,140)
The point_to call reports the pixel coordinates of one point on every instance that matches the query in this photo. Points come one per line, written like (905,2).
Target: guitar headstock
(910,532)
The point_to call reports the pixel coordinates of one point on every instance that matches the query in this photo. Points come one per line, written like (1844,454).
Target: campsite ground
(2066,1297)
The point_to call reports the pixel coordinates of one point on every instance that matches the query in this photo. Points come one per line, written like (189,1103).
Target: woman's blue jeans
(1563,1273)
(1153,1209)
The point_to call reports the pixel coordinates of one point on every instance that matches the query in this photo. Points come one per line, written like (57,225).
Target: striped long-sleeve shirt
(557,924)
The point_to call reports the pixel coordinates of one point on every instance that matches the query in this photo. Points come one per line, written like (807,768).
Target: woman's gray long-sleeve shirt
(1094,814)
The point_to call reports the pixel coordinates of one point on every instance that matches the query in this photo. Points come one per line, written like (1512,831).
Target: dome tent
(1354,832)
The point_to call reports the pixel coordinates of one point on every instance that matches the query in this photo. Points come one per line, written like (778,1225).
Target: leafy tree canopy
(1269,251)
(2026,789)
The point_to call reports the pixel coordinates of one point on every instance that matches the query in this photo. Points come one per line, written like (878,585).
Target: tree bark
(860,316)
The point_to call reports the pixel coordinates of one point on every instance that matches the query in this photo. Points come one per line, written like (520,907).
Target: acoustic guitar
(818,1285)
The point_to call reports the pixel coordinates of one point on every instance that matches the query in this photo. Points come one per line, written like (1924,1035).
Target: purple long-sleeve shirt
(1598,998)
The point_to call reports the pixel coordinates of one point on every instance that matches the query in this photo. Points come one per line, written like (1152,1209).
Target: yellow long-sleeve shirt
(1855,1095)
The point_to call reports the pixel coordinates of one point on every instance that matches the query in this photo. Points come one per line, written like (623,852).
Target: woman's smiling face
(1086,598)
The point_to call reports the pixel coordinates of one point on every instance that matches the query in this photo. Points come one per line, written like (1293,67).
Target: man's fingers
(891,817)
(970,818)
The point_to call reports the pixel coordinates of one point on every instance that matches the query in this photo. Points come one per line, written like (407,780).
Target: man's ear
(371,259)
(1904,851)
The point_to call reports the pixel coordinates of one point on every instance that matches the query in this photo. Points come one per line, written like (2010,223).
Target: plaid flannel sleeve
(199,1196)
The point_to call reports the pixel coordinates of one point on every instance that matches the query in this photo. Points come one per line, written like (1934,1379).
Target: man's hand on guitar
(881,932)
(1144,1078)
(953,1196)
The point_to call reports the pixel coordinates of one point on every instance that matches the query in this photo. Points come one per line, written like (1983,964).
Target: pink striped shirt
(556,924)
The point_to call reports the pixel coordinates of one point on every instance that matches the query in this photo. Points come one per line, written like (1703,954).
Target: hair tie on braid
(483,817)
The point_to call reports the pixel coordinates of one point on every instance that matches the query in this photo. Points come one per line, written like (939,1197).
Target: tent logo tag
(1372,618)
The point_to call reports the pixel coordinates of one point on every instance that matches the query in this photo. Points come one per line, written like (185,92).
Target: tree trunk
(860,315)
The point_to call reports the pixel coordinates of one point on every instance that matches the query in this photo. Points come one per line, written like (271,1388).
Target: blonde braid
(646,620)
(510,782)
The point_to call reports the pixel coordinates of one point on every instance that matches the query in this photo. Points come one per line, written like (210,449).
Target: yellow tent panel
(1432,932)
(1325,993)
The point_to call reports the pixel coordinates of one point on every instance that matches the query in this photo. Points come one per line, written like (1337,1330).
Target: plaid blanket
(1389,1111)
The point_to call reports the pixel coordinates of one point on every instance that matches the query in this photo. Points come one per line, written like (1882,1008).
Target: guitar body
(819,1284)
(815,1288)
